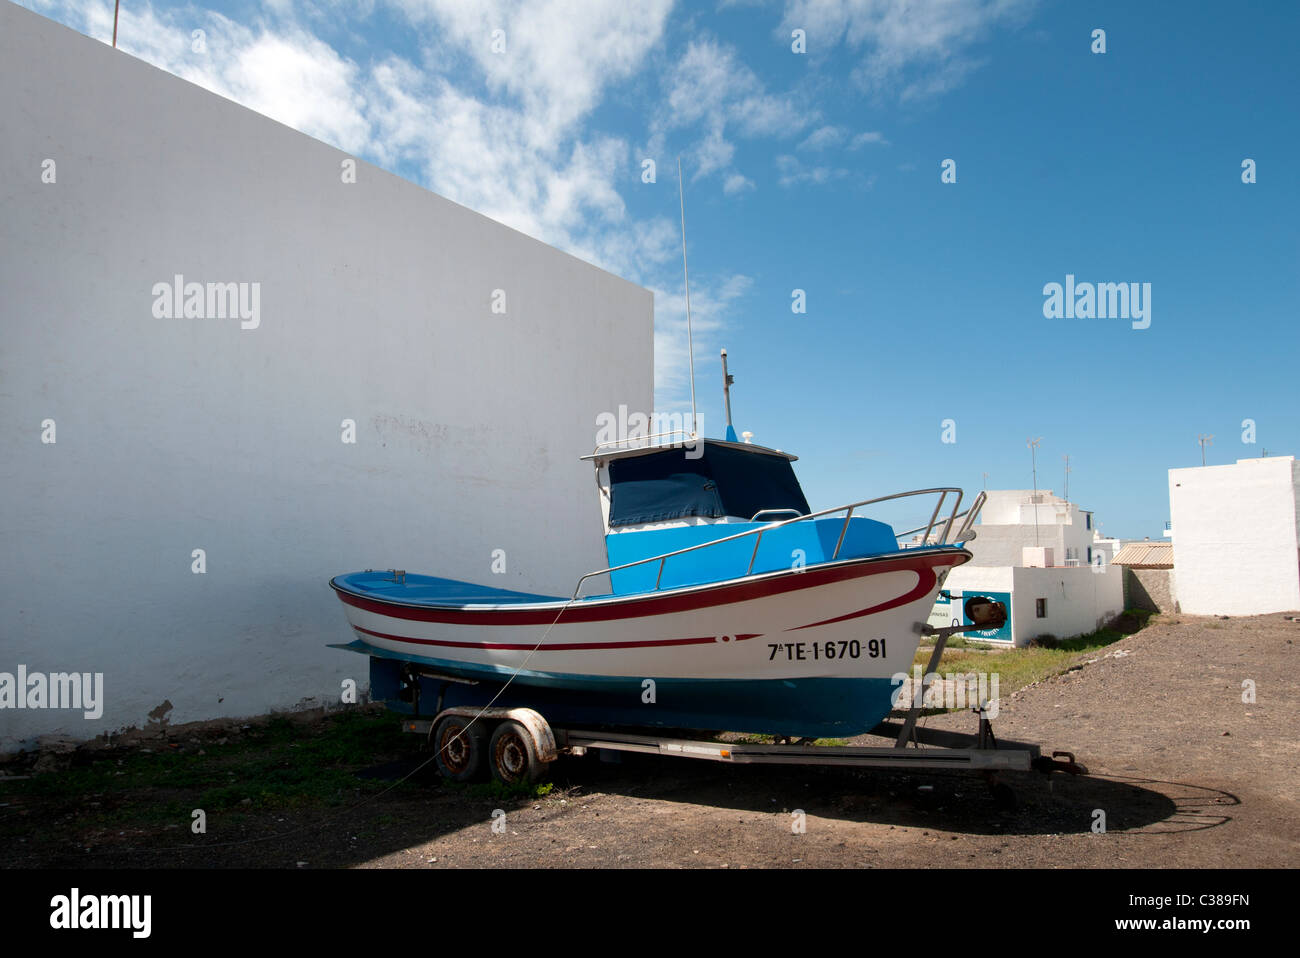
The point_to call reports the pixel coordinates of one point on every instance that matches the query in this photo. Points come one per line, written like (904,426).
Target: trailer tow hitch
(1060,762)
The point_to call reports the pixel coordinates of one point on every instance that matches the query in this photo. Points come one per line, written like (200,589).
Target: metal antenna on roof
(727,381)
(1033,455)
(690,343)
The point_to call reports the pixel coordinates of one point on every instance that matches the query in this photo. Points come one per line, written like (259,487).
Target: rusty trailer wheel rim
(511,758)
(455,748)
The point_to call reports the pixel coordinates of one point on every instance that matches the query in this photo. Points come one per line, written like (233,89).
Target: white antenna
(1033,455)
(690,342)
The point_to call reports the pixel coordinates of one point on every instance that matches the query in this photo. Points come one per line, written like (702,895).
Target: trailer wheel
(513,755)
(461,745)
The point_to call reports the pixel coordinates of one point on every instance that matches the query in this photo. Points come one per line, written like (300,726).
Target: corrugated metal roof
(1147,555)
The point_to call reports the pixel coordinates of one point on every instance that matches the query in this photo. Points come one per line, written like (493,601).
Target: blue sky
(821,171)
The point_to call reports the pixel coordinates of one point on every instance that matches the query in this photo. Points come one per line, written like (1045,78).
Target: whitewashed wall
(1006,527)
(1079,600)
(182,434)
(1235,536)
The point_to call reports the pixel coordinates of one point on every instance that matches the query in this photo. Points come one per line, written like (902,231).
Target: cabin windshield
(724,481)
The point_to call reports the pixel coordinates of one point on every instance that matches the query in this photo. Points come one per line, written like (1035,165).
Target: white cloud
(914,48)
(559,55)
(710,90)
(822,138)
(736,183)
(710,306)
(862,139)
(825,137)
(792,172)
(287,73)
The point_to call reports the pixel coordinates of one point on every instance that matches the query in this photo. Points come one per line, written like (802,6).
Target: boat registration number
(830,649)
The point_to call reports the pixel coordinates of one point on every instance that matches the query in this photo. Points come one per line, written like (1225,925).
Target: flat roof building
(1236,531)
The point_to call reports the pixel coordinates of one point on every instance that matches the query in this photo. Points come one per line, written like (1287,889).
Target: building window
(1040,608)
(1087,520)
(1089,555)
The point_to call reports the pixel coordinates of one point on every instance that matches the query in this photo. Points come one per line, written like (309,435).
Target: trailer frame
(944,749)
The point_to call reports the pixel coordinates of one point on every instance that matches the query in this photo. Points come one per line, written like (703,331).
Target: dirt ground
(1185,772)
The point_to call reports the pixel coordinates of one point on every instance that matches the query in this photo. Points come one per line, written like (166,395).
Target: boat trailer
(518,745)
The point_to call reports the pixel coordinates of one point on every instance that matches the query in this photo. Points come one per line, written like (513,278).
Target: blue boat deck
(432,590)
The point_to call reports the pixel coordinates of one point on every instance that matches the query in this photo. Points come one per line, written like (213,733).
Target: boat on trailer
(727,604)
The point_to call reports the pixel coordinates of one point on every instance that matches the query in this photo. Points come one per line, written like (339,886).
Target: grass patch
(960,642)
(1017,668)
(520,791)
(280,764)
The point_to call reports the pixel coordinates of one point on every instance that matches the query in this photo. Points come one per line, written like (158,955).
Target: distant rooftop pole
(1067,479)
(1204,440)
(116,4)
(1033,458)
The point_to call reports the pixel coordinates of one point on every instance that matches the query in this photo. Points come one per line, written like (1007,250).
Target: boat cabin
(659,499)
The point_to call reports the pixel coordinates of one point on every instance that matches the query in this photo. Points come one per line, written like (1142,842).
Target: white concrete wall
(1237,550)
(1006,527)
(1003,506)
(182,434)
(1079,600)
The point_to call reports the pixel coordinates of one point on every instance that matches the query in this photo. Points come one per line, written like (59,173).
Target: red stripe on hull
(552,647)
(928,582)
(656,604)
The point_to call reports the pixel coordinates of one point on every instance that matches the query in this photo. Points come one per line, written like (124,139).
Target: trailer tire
(460,745)
(512,755)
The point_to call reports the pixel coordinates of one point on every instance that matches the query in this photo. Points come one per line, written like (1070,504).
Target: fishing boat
(727,602)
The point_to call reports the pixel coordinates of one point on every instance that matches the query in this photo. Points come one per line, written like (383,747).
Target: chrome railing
(963,533)
(681,438)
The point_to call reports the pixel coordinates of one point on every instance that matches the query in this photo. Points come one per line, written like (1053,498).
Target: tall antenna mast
(690,342)
(1033,456)
(727,380)
(1204,440)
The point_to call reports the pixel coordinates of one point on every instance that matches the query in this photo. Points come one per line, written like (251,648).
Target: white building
(1236,531)
(136,431)
(1038,554)
(1015,519)
(1107,546)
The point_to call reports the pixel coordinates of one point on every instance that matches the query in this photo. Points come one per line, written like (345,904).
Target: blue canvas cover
(722,482)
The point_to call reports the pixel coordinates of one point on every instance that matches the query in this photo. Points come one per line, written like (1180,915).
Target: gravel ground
(1185,773)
